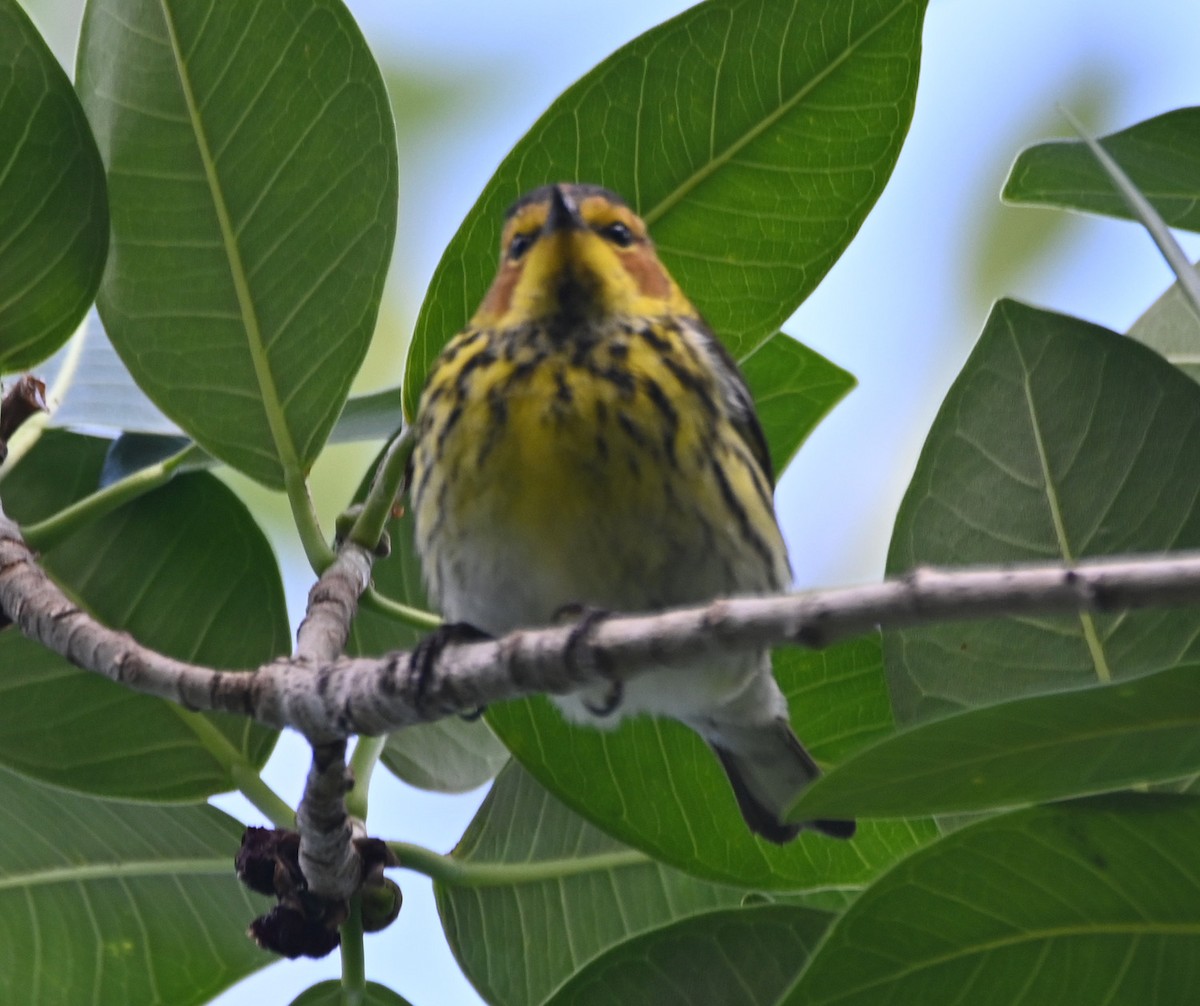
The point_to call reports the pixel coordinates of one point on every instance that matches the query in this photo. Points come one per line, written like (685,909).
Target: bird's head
(576,254)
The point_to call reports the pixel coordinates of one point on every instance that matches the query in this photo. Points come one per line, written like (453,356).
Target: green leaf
(96,393)
(748,956)
(656,786)
(1095,902)
(1145,214)
(61,469)
(794,389)
(132,452)
(104,902)
(559,894)
(377,416)
(252,176)
(333,993)
(449,756)
(368,417)
(1161,157)
(1058,440)
(178,568)
(752,135)
(53,208)
(1030,750)
(1171,327)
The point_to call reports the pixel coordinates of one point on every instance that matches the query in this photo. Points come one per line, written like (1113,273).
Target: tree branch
(328,697)
(341,696)
(328,858)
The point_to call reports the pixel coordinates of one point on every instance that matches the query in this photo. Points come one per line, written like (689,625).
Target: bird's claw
(424,655)
(587,618)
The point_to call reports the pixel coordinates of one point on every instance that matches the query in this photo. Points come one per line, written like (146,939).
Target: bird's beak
(563,215)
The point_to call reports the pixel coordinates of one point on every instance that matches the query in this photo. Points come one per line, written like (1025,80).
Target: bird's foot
(586,619)
(425,654)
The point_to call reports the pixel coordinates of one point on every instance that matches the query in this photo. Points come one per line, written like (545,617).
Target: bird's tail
(768,767)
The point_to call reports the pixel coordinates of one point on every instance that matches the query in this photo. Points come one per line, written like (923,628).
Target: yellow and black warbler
(585,440)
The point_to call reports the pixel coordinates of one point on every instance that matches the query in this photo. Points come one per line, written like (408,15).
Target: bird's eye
(618,234)
(519,245)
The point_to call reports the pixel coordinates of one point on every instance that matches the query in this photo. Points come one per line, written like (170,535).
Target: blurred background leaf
(1170,327)
(1161,156)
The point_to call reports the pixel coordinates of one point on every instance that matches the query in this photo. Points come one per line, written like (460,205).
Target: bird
(586,443)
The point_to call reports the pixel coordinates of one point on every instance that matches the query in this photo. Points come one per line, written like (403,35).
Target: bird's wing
(737,398)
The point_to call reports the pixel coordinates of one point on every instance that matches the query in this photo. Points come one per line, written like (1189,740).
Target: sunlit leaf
(93,392)
(252,176)
(752,135)
(794,389)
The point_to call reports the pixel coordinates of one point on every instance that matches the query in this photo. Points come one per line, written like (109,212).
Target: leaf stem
(251,785)
(45,534)
(367,751)
(242,773)
(385,488)
(312,539)
(30,433)
(419,618)
(1147,215)
(465,873)
(354,965)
